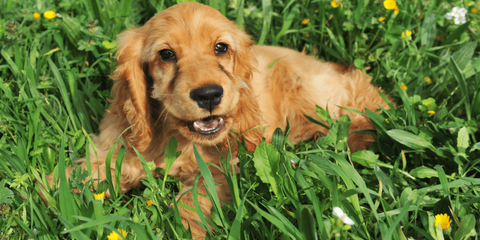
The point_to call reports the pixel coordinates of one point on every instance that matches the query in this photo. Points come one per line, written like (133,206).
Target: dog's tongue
(207,124)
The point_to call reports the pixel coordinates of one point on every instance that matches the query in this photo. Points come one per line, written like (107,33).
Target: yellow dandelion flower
(396,10)
(99,196)
(474,10)
(381,19)
(443,220)
(431,112)
(114,235)
(386,120)
(335,3)
(36,15)
(406,33)
(403,86)
(306,21)
(390,4)
(49,15)
(149,202)
(56,24)
(428,80)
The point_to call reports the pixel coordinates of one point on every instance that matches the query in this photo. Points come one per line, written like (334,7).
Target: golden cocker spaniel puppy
(189,72)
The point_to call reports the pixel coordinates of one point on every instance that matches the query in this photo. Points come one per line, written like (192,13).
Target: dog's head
(198,65)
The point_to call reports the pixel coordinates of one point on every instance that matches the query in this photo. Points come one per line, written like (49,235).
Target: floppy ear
(248,116)
(244,60)
(132,82)
(248,113)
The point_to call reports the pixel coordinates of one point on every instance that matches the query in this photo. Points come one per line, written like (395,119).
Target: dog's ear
(248,119)
(244,60)
(247,112)
(131,88)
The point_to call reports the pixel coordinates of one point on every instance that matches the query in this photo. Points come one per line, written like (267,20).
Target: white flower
(455,11)
(450,16)
(35,231)
(340,214)
(458,15)
(460,20)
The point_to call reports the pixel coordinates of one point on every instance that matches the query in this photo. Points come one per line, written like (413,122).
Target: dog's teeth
(196,125)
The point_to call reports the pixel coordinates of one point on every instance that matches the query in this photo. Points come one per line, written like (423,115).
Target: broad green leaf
(409,139)
(423,172)
(464,55)
(307,225)
(466,228)
(430,104)
(462,140)
(359,63)
(266,160)
(278,140)
(429,31)
(170,154)
(72,29)
(6,195)
(109,45)
(365,157)
(443,180)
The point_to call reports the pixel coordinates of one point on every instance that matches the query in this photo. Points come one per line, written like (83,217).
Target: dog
(191,73)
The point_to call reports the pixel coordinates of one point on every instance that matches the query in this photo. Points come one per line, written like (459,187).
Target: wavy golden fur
(153,96)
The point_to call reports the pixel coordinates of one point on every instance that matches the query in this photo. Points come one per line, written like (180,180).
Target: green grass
(54,88)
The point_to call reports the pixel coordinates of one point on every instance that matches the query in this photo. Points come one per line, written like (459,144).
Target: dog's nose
(207,97)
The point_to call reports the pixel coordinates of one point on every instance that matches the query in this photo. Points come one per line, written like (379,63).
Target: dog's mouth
(207,126)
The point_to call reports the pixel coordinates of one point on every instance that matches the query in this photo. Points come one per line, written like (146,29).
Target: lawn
(419,180)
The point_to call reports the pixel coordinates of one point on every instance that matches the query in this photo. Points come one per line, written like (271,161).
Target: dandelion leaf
(266,161)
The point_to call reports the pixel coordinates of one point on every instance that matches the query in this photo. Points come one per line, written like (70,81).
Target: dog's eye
(221,48)
(167,55)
